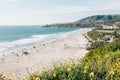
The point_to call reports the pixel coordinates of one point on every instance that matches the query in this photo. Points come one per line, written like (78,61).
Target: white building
(110,27)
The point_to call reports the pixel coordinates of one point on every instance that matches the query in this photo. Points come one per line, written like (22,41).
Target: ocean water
(18,36)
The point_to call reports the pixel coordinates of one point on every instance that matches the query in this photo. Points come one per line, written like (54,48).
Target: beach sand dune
(43,55)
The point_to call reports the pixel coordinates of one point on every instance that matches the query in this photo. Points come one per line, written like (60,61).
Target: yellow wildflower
(97,57)
(116,64)
(118,60)
(111,73)
(118,79)
(68,69)
(86,67)
(54,74)
(118,71)
(106,55)
(37,78)
(2,76)
(91,74)
(23,78)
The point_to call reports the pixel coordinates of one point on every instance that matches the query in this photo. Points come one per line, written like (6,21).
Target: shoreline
(45,40)
(73,45)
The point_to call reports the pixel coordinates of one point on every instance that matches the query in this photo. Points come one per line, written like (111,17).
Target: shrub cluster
(100,64)
(94,35)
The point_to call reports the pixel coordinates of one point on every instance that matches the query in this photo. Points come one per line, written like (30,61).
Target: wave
(22,42)
(4,46)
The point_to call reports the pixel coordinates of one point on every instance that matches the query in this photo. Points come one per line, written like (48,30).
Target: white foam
(33,39)
(2,49)
(39,36)
(7,45)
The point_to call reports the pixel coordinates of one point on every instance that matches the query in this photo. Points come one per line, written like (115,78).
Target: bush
(100,64)
(93,34)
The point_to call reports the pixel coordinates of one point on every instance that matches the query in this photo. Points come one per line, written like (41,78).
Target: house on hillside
(110,27)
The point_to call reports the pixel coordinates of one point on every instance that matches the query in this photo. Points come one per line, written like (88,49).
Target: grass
(106,31)
(94,35)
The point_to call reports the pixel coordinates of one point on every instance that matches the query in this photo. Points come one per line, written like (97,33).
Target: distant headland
(91,21)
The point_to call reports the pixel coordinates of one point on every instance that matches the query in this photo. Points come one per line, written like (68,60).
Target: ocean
(18,36)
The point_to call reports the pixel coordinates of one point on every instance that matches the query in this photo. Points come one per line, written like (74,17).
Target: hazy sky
(37,12)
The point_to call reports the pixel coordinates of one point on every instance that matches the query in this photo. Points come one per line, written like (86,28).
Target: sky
(41,12)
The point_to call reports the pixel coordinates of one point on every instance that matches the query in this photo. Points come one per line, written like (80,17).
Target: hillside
(100,19)
(91,21)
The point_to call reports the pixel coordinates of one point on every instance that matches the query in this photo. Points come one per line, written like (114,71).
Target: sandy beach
(72,46)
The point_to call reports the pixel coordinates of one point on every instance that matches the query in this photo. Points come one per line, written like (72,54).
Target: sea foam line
(34,39)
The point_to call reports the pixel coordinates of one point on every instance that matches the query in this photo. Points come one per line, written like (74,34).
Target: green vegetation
(102,63)
(70,25)
(106,31)
(101,37)
(94,35)
(118,32)
(91,21)
(96,44)
(101,19)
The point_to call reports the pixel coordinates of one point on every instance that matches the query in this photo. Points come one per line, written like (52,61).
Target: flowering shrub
(99,64)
